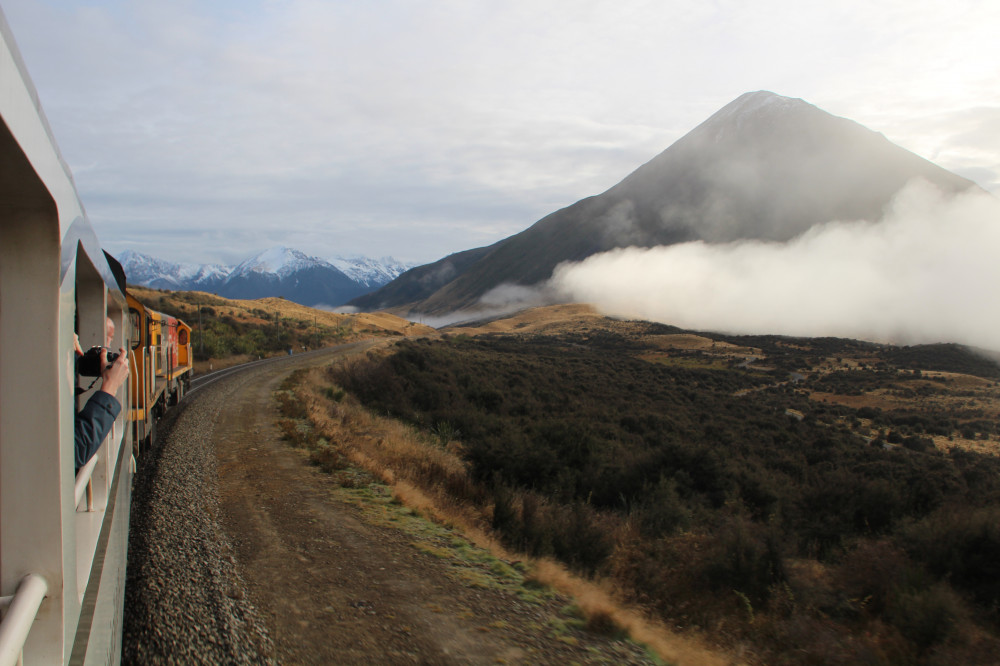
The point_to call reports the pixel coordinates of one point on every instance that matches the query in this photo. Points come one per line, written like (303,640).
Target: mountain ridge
(276,271)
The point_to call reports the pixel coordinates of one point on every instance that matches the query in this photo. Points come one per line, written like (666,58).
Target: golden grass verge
(599,606)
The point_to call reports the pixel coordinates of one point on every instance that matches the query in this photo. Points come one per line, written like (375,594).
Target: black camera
(89,365)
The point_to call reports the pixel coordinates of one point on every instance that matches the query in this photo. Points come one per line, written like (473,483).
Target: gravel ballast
(184,600)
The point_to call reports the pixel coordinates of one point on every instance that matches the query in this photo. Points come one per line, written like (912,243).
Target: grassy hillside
(227,331)
(808,501)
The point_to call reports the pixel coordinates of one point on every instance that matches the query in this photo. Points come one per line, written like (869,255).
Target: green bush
(579,443)
(746,559)
(925,617)
(962,546)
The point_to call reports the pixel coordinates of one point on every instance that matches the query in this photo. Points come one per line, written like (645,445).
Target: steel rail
(204,380)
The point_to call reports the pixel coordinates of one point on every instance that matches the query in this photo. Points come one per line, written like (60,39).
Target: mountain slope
(421,282)
(763,167)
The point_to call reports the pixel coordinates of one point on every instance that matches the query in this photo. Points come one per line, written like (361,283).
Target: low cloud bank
(929,271)
(336,309)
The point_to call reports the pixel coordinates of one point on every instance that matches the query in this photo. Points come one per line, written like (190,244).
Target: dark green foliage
(661,511)
(945,357)
(570,532)
(962,545)
(568,431)
(335,394)
(224,336)
(925,616)
(747,559)
(217,334)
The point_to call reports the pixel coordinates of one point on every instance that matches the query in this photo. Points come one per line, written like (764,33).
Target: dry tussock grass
(602,610)
(243,310)
(430,477)
(699,343)
(550,318)
(986,446)
(424,475)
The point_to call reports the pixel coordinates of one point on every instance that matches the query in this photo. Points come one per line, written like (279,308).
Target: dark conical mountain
(763,167)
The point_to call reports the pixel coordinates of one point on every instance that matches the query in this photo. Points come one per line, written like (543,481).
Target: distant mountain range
(763,167)
(279,271)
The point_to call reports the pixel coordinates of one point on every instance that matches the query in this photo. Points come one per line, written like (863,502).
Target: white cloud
(927,272)
(466,121)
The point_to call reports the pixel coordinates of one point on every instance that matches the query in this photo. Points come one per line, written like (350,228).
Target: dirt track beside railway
(304,576)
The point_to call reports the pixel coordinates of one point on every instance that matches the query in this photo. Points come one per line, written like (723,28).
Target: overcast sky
(206,131)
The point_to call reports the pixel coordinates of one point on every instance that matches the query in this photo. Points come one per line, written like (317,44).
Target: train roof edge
(25,120)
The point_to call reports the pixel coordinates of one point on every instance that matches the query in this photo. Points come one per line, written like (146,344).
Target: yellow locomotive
(160,362)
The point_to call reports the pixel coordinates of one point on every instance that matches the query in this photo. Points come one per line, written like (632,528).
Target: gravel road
(184,599)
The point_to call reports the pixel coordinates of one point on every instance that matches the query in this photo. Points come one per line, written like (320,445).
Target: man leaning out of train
(94,421)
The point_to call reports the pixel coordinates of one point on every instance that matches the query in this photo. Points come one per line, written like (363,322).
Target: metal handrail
(154,357)
(83,479)
(19,617)
(82,484)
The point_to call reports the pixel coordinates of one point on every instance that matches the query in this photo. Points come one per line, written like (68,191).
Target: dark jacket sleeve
(93,423)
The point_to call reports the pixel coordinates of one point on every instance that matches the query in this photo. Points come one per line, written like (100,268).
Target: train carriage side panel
(35,395)
(169,351)
(101,519)
(47,246)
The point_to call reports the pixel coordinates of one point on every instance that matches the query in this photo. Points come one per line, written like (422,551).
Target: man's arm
(94,421)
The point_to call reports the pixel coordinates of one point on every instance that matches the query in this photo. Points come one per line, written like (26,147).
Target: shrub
(661,511)
(925,617)
(872,571)
(328,458)
(961,545)
(505,519)
(579,538)
(745,561)
(334,393)
(919,444)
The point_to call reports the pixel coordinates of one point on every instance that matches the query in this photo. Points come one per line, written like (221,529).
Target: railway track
(202,381)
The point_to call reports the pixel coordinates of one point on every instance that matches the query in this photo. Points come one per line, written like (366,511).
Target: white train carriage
(63,534)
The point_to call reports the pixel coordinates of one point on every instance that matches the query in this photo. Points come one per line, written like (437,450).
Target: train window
(134,320)
(182,336)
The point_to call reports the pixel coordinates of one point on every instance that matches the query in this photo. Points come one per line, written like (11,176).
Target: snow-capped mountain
(278,271)
(281,271)
(371,272)
(148,271)
(279,261)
